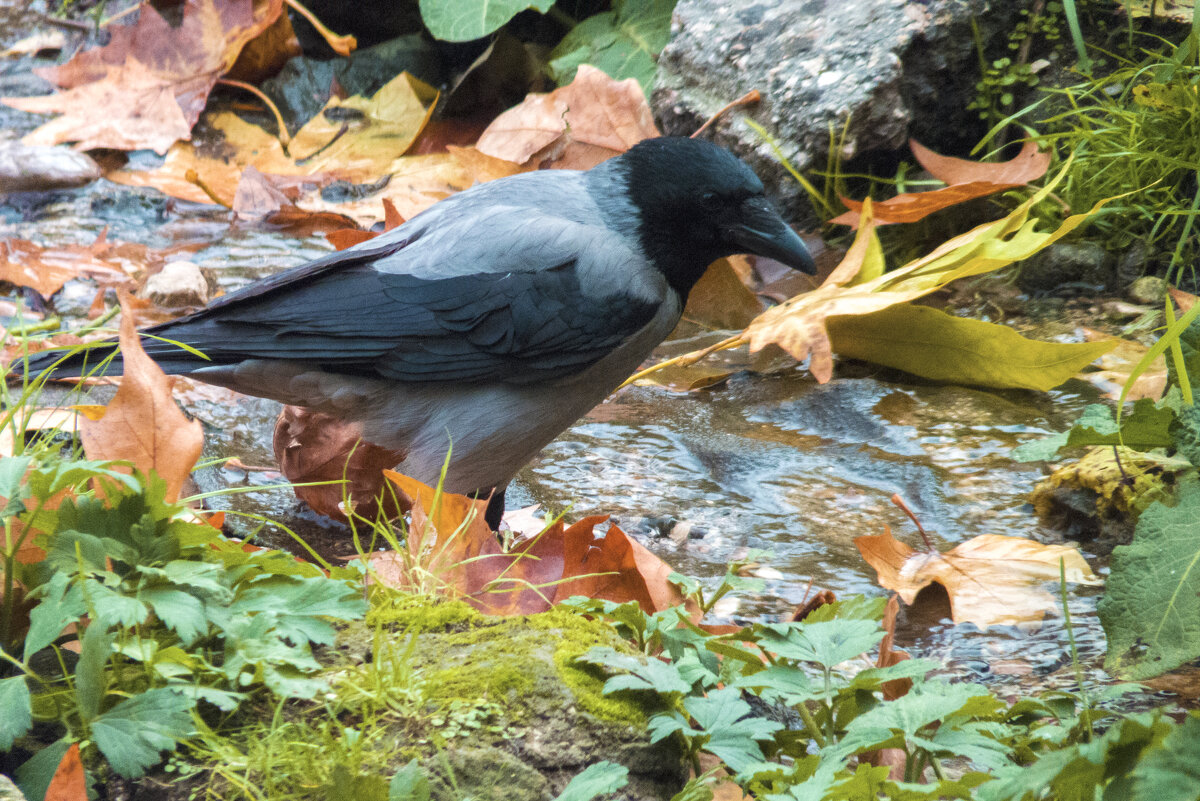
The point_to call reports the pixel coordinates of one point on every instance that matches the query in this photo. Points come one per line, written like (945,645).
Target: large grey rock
(883,70)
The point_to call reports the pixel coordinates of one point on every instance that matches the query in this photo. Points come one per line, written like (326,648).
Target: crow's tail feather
(102,359)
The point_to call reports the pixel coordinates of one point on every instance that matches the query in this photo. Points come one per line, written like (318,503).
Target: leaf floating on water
(991,579)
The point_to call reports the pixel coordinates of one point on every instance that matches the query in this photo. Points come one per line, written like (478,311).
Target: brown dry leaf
(1117,365)
(315,447)
(991,579)
(451,541)
(720,299)
(1185,300)
(265,54)
(965,180)
(575,127)
(142,424)
(147,86)
(889,655)
(482,167)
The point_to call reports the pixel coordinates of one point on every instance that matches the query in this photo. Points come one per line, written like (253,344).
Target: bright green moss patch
(521,663)
(419,613)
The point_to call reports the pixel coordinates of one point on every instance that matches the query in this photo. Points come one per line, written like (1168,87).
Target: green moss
(419,613)
(577,636)
(505,660)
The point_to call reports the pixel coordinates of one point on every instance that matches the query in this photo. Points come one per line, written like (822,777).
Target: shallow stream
(773,463)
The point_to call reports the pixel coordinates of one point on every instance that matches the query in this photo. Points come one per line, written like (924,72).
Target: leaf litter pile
(149,88)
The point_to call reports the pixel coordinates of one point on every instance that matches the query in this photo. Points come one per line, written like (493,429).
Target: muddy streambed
(775,463)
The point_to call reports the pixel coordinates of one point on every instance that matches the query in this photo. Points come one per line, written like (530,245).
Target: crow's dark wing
(516,326)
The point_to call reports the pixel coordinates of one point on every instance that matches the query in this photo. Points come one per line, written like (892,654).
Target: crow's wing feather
(517,327)
(515,295)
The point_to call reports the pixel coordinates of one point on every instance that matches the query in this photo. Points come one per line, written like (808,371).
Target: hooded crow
(493,320)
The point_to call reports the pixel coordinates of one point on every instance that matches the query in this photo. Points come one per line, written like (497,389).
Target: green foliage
(594,781)
(167,612)
(1134,133)
(1145,428)
(791,720)
(624,42)
(1151,609)
(409,784)
(464,20)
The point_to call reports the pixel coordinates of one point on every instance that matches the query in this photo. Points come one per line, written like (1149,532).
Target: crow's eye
(710,201)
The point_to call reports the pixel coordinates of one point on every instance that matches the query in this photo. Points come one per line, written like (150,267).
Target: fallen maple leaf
(449,541)
(147,86)
(575,127)
(965,180)
(991,579)
(142,424)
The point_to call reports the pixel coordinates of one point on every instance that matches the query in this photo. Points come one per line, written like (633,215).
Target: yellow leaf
(798,325)
(932,344)
(991,579)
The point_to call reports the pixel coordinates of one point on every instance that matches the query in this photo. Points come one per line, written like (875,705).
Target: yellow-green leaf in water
(939,346)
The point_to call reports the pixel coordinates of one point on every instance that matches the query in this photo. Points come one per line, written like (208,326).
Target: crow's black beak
(761,231)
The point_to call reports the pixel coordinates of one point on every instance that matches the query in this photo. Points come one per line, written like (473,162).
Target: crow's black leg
(495,509)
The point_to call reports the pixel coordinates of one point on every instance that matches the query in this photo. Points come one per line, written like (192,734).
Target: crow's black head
(698,203)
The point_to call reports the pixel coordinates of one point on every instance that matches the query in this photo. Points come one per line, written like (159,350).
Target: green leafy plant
(165,611)
(624,42)
(791,716)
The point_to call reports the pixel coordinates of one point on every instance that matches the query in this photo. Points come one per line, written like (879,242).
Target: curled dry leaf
(448,539)
(575,127)
(991,579)
(147,86)
(965,180)
(315,447)
(894,759)
(142,424)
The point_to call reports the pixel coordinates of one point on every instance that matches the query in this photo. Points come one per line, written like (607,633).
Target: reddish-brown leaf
(965,180)
(142,424)
(147,86)
(45,270)
(449,540)
(316,447)
(68,783)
